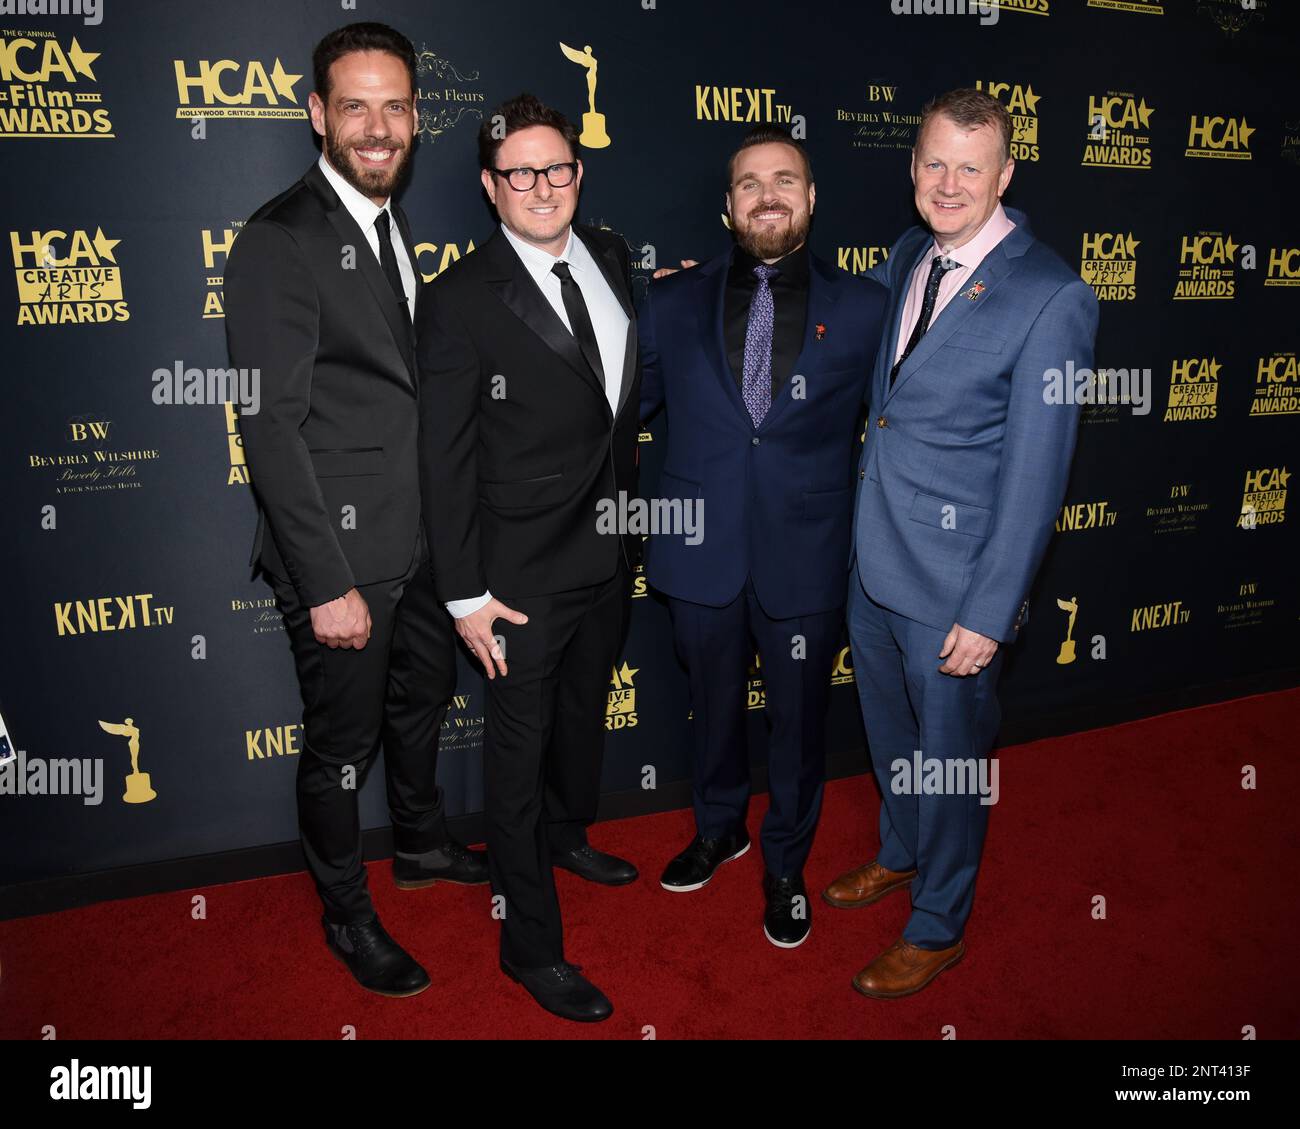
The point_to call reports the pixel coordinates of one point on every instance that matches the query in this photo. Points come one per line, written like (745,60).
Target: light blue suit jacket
(967,458)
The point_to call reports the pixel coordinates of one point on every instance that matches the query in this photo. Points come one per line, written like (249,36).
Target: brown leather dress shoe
(865,885)
(903,969)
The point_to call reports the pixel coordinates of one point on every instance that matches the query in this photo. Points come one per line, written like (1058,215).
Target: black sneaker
(694,867)
(788,917)
(562,990)
(377,961)
(449,863)
(596,866)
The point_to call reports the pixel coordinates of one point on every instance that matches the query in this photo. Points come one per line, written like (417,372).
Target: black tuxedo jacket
(517,441)
(308,305)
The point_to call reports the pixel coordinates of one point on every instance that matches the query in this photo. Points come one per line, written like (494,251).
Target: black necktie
(939,266)
(579,319)
(388,260)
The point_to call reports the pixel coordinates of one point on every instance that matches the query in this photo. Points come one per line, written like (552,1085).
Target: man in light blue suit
(965,466)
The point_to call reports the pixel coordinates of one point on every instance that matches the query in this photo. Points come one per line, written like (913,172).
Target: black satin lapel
(398,319)
(526,301)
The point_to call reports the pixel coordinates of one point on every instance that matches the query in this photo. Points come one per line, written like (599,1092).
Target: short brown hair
(767,135)
(970,108)
(359,37)
(520,112)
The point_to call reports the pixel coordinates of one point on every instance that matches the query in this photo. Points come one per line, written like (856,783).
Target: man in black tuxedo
(529,391)
(320,290)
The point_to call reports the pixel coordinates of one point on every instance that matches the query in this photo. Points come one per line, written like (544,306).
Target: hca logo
(1224,138)
(224,85)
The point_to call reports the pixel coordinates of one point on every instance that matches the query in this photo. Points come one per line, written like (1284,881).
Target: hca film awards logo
(67,277)
(1207,267)
(1109,264)
(215,245)
(1277,386)
(236,88)
(446,94)
(1193,389)
(47,89)
(1216,138)
(1022,104)
(1119,132)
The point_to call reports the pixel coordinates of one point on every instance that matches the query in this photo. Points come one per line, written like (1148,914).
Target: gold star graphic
(1032,99)
(104,246)
(625,675)
(1145,112)
(81,60)
(1130,246)
(1246,131)
(284,82)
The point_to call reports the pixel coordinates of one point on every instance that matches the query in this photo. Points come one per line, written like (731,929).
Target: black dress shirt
(790,306)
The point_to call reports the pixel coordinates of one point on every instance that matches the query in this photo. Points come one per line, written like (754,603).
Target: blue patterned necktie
(756,381)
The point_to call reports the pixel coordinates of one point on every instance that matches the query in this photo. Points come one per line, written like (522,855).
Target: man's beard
(774,243)
(369,182)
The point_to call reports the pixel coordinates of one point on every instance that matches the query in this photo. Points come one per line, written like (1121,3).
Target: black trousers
(544,742)
(394,691)
(716,646)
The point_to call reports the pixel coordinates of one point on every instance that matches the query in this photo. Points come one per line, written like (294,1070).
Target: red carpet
(1198,940)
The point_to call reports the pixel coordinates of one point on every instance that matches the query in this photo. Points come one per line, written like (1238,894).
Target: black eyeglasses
(522,179)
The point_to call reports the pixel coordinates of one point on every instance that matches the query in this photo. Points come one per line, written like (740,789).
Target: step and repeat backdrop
(147,685)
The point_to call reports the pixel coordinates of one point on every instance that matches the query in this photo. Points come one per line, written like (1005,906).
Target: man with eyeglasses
(529,393)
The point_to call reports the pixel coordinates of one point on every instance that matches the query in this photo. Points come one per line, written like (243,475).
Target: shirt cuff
(459,609)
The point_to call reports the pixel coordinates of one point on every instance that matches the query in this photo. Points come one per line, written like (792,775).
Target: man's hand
(476,630)
(967,652)
(344,622)
(664,272)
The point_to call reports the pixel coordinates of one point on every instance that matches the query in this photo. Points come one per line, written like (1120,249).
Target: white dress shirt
(365,211)
(608,320)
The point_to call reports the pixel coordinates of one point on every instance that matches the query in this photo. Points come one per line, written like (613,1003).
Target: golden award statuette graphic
(1067,646)
(138,788)
(593,124)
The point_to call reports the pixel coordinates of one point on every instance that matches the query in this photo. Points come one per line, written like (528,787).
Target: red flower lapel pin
(820,332)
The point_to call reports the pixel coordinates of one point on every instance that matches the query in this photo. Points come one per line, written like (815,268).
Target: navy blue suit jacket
(777,498)
(968,456)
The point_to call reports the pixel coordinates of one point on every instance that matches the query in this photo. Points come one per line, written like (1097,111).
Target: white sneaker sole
(787,944)
(701,885)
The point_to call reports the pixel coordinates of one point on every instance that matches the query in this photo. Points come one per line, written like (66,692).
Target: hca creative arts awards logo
(47,88)
(1022,104)
(67,277)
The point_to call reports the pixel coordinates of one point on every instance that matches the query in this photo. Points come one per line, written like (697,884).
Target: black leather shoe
(694,867)
(562,990)
(449,863)
(596,866)
(788,918)
(375,959)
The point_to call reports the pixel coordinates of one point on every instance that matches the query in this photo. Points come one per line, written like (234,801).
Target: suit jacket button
(755,440)
(862,473)
(881,421)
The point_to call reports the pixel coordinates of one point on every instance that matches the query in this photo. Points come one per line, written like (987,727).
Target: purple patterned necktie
(756,381)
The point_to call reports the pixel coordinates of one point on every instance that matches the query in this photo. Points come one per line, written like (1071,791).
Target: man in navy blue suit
(965,465)
(761,359)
